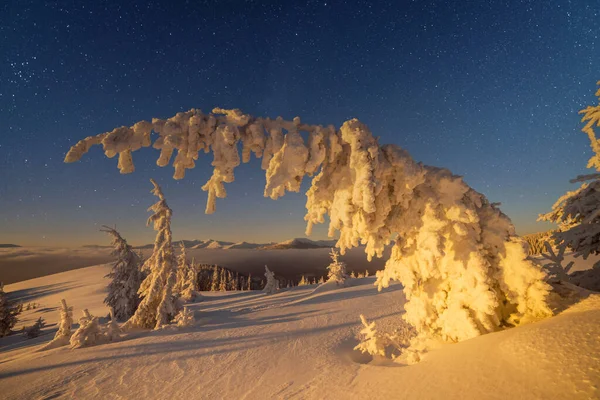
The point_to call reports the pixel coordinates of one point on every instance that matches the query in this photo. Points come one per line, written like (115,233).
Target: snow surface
(295,344)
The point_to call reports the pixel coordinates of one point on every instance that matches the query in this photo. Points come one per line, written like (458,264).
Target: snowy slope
(295,344)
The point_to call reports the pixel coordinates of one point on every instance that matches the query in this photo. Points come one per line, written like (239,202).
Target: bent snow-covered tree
(463,270)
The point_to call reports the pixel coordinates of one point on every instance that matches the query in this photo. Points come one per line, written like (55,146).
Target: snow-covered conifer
(366,273)
(190,287)
(185,318)
(321,280)
(352,274)
(8,313)
(462,268)
(336,269)
(577,213)
(215,284)
(272,284)
(372,342)
(303,281)
(182,269)
(126,277)
(63,335)
(158,305)
(112,331)
(88,333)
(34,330)
(223,280)
(249,282)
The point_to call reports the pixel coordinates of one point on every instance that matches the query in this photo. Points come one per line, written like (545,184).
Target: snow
(310,335)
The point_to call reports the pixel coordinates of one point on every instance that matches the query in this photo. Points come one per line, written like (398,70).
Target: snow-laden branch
(463,270)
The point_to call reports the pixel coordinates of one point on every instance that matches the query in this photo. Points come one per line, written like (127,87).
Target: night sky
(489,90)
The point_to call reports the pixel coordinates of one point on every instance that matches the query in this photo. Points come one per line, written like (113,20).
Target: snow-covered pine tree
(158,305)
(352,274)
(63,334)
(190,287)
(8,313)
(34,330)
(126,277)
(321,280)
(303,281)
(185,318)
(577,213)
(366,273)
(222,281)
(249,282)
(88,333)
(182,270)
(272,285)
(336,269)
(451,243)
(112,331)
(215,284)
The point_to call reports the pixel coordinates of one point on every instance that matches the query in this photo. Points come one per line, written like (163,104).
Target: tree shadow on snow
(32,294)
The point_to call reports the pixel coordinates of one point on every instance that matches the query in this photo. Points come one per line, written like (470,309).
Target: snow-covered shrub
(185,318)
(463,270)
(336,269)
(88,333)
(34,330)
(126,277)
(272,284)
(63,335)
(8,313)
(381,344)
(112,331)
(158,305)
(577,213)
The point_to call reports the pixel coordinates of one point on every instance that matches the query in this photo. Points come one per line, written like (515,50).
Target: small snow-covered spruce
(185,318)
(63,335)
(215,280)
(451,243)
(303,281)
(577,213)
(272,285)
(337,269)
(112,331)
(158,305)
(88,333)
(182,269)
(222,281)
(372,342)
(8,313)
(321,280)
(366,273)
(249,282)
(126,277)
(34,330)
(352,274)
(191,286)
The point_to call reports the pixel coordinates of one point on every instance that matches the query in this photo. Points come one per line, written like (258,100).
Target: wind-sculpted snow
(463,270)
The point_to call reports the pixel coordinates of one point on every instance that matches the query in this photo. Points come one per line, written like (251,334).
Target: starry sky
(488,89)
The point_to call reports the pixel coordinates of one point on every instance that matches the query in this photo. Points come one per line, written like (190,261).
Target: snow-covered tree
(577,213)
(158,305)
(34,330)
(126,277)
(372,342)
(463,270)
(249,282)
(366,273)
(303,281)
(185,318)
(88,333)
(112,331)
(272,284)
(8,313)
(189,286)
(182,269)
(215,280)
(321,280)
(336,269)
